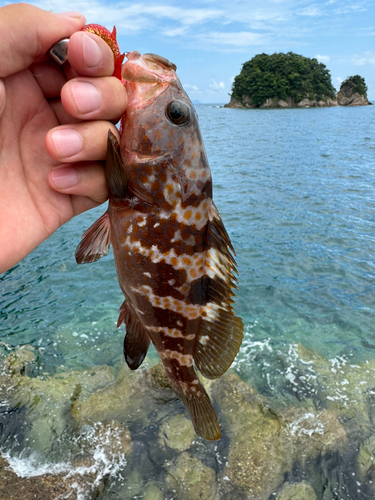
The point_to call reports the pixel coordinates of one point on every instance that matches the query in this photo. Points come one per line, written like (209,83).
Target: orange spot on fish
(155,186)
(204,206)
(174,261)
(144,178)
(187,261)
(169,188)
(187,214)
(157,134)
(193,273)
(198,216)
(193,174)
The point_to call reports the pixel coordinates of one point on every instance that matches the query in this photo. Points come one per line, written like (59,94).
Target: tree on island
(282,76)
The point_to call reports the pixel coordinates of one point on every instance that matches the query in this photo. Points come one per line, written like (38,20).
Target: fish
(174,259)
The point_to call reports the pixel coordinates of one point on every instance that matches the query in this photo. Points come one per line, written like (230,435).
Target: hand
(53,136)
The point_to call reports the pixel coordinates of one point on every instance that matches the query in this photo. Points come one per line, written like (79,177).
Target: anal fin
(95,242)
(136,341)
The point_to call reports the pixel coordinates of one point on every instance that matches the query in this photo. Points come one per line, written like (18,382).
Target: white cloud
(217,86)
(364,60)
(191,88)
(239,39)
(322,59)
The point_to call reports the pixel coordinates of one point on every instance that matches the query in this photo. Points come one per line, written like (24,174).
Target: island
(353,92)
(291,80)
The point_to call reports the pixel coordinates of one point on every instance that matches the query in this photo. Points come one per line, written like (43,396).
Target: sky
(209,40)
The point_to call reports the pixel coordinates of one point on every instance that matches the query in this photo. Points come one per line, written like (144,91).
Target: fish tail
(198,404)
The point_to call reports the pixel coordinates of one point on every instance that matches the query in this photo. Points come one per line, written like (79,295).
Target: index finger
(89,55)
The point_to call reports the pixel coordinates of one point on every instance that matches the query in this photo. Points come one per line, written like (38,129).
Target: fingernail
(64,177)
(91,52)
(86,97)
(67,142)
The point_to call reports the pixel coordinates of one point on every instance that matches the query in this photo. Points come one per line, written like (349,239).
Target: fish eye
(178,113)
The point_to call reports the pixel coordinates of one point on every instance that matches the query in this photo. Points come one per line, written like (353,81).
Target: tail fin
(200,409)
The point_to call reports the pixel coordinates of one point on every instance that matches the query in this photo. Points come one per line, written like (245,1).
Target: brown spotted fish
(173,255)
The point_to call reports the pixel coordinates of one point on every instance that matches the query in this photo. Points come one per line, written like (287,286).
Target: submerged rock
(177,433)
(190,479)
(298,491)
(265,442)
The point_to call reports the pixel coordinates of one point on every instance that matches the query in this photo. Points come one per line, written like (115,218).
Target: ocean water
(296,191)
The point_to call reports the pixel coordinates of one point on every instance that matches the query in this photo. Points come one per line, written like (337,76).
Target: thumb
(27,33)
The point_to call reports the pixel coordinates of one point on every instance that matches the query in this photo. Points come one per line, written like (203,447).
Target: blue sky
(209,40)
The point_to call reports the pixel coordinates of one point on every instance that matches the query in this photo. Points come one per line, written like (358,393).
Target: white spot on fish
(204,340)
(147,274)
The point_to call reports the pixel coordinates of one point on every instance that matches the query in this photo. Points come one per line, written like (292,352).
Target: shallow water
(296,191)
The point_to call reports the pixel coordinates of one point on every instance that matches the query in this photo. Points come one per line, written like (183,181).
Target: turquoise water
(296,191)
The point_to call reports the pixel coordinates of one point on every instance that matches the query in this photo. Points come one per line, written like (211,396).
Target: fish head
(160,118)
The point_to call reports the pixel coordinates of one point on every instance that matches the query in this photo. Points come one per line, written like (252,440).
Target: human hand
(51,148)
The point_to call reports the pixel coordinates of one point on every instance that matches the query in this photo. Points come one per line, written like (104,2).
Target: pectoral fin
(136,341)
(114,169)
(95,242)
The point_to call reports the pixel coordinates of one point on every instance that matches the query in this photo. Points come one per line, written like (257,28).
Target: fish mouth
(152,59)
(148,68)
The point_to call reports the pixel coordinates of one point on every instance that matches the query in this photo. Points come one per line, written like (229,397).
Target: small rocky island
(292,81)
(353,92)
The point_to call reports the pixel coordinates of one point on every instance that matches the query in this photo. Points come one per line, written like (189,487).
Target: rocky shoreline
(124,433)
(342,99)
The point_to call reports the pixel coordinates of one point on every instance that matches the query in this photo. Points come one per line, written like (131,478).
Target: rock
(259,454)
(47,401)
(348,97)
(17,362)
(42,487)
(158,377)
(275,102)
(177,433)
(190,479)
(153,491)
(297,491)
(265,442)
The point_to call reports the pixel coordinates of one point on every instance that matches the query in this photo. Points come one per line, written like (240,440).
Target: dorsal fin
(136,341)
(221,332)
(115,174)
(95,242)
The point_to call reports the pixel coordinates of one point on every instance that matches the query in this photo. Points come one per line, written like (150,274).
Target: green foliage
(357,83)
(282,76)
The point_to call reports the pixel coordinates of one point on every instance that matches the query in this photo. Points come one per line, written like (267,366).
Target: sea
(296,191)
